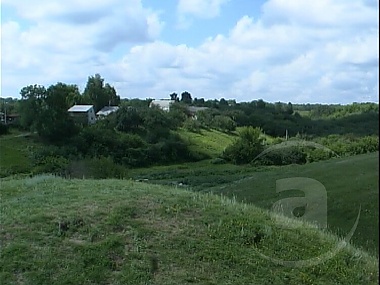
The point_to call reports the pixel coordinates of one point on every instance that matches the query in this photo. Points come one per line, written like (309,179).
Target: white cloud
(205,9)
(201,8)
(298,51)
(61,43)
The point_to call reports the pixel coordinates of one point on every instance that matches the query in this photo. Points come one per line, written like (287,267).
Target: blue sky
(299,51)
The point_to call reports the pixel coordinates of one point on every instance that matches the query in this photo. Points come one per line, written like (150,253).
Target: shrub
(218,160)
(104,167)
(192,125)
(52,164)
(4,129)
(285,156)
(224,123)
(246,147)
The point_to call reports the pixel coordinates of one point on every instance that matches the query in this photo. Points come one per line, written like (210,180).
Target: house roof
(194,109)
(105,111)
(163,103)
(80,108)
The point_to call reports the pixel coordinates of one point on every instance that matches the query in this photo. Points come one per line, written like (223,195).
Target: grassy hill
(209,142)
(14,155)
(350,182)
(57,231)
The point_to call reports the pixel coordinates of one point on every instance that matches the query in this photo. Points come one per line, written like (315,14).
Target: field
(14,156)
(350,182)
(57,231)
(209,142)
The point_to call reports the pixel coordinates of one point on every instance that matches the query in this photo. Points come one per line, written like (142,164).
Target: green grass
(209,142)
(350,182)
(57,231)
(14,154)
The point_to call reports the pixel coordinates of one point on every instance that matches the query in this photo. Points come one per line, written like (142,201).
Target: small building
(163,104)
(9,118)
(194,110)
(105,111)
(83,114)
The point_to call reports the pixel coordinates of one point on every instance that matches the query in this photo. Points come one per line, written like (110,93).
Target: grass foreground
(57,231)
(351,184)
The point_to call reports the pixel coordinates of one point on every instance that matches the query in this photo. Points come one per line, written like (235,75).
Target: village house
(194,110)
(163,104)
(105,111)
(9,118)
(83,114)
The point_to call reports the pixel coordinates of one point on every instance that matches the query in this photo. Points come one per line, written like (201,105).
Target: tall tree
(174,96)
(45,110)
(32,97)
(99,93)
(186,97)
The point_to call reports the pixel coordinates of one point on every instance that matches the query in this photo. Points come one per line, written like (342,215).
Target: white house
(105,111)
(83,114)
(163,104)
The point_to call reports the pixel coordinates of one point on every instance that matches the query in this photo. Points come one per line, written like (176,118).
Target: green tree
(177,115)
(223,123)
(45,111)
(174,96)
(156,123)
(32,98)
(99,93)
(246,147)
(128,119)
(289,109)
(186,97)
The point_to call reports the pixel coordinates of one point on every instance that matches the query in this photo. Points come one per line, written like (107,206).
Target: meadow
(60,231)
(350,182)
(207,222)
(14,153)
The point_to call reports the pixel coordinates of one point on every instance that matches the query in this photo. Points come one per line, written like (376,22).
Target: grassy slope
(349,181)
(123,232)
(14,156)
(209,142)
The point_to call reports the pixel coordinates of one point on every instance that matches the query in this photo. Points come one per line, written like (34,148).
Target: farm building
(105,111)
(83,114)
(163,104)
(194,110)
(9,118)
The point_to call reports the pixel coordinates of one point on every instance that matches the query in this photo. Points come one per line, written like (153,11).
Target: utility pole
(5,112)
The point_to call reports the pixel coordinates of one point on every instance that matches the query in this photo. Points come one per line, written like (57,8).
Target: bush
(285,156)
(218,160)
(104,167)
(313,155)
(4,129)
(192,125)
(246,147)
(224,123)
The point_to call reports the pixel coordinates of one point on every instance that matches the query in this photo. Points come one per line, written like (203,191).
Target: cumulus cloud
(205,9)
(201,8)
(300,51)
(64,39)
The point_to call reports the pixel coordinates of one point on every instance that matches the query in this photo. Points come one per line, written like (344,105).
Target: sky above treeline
(299,51)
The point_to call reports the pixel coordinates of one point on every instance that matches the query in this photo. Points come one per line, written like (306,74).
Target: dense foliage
(138,135)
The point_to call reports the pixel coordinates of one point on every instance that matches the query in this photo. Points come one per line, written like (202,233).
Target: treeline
(252,146)
(138,135)
(276,119)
